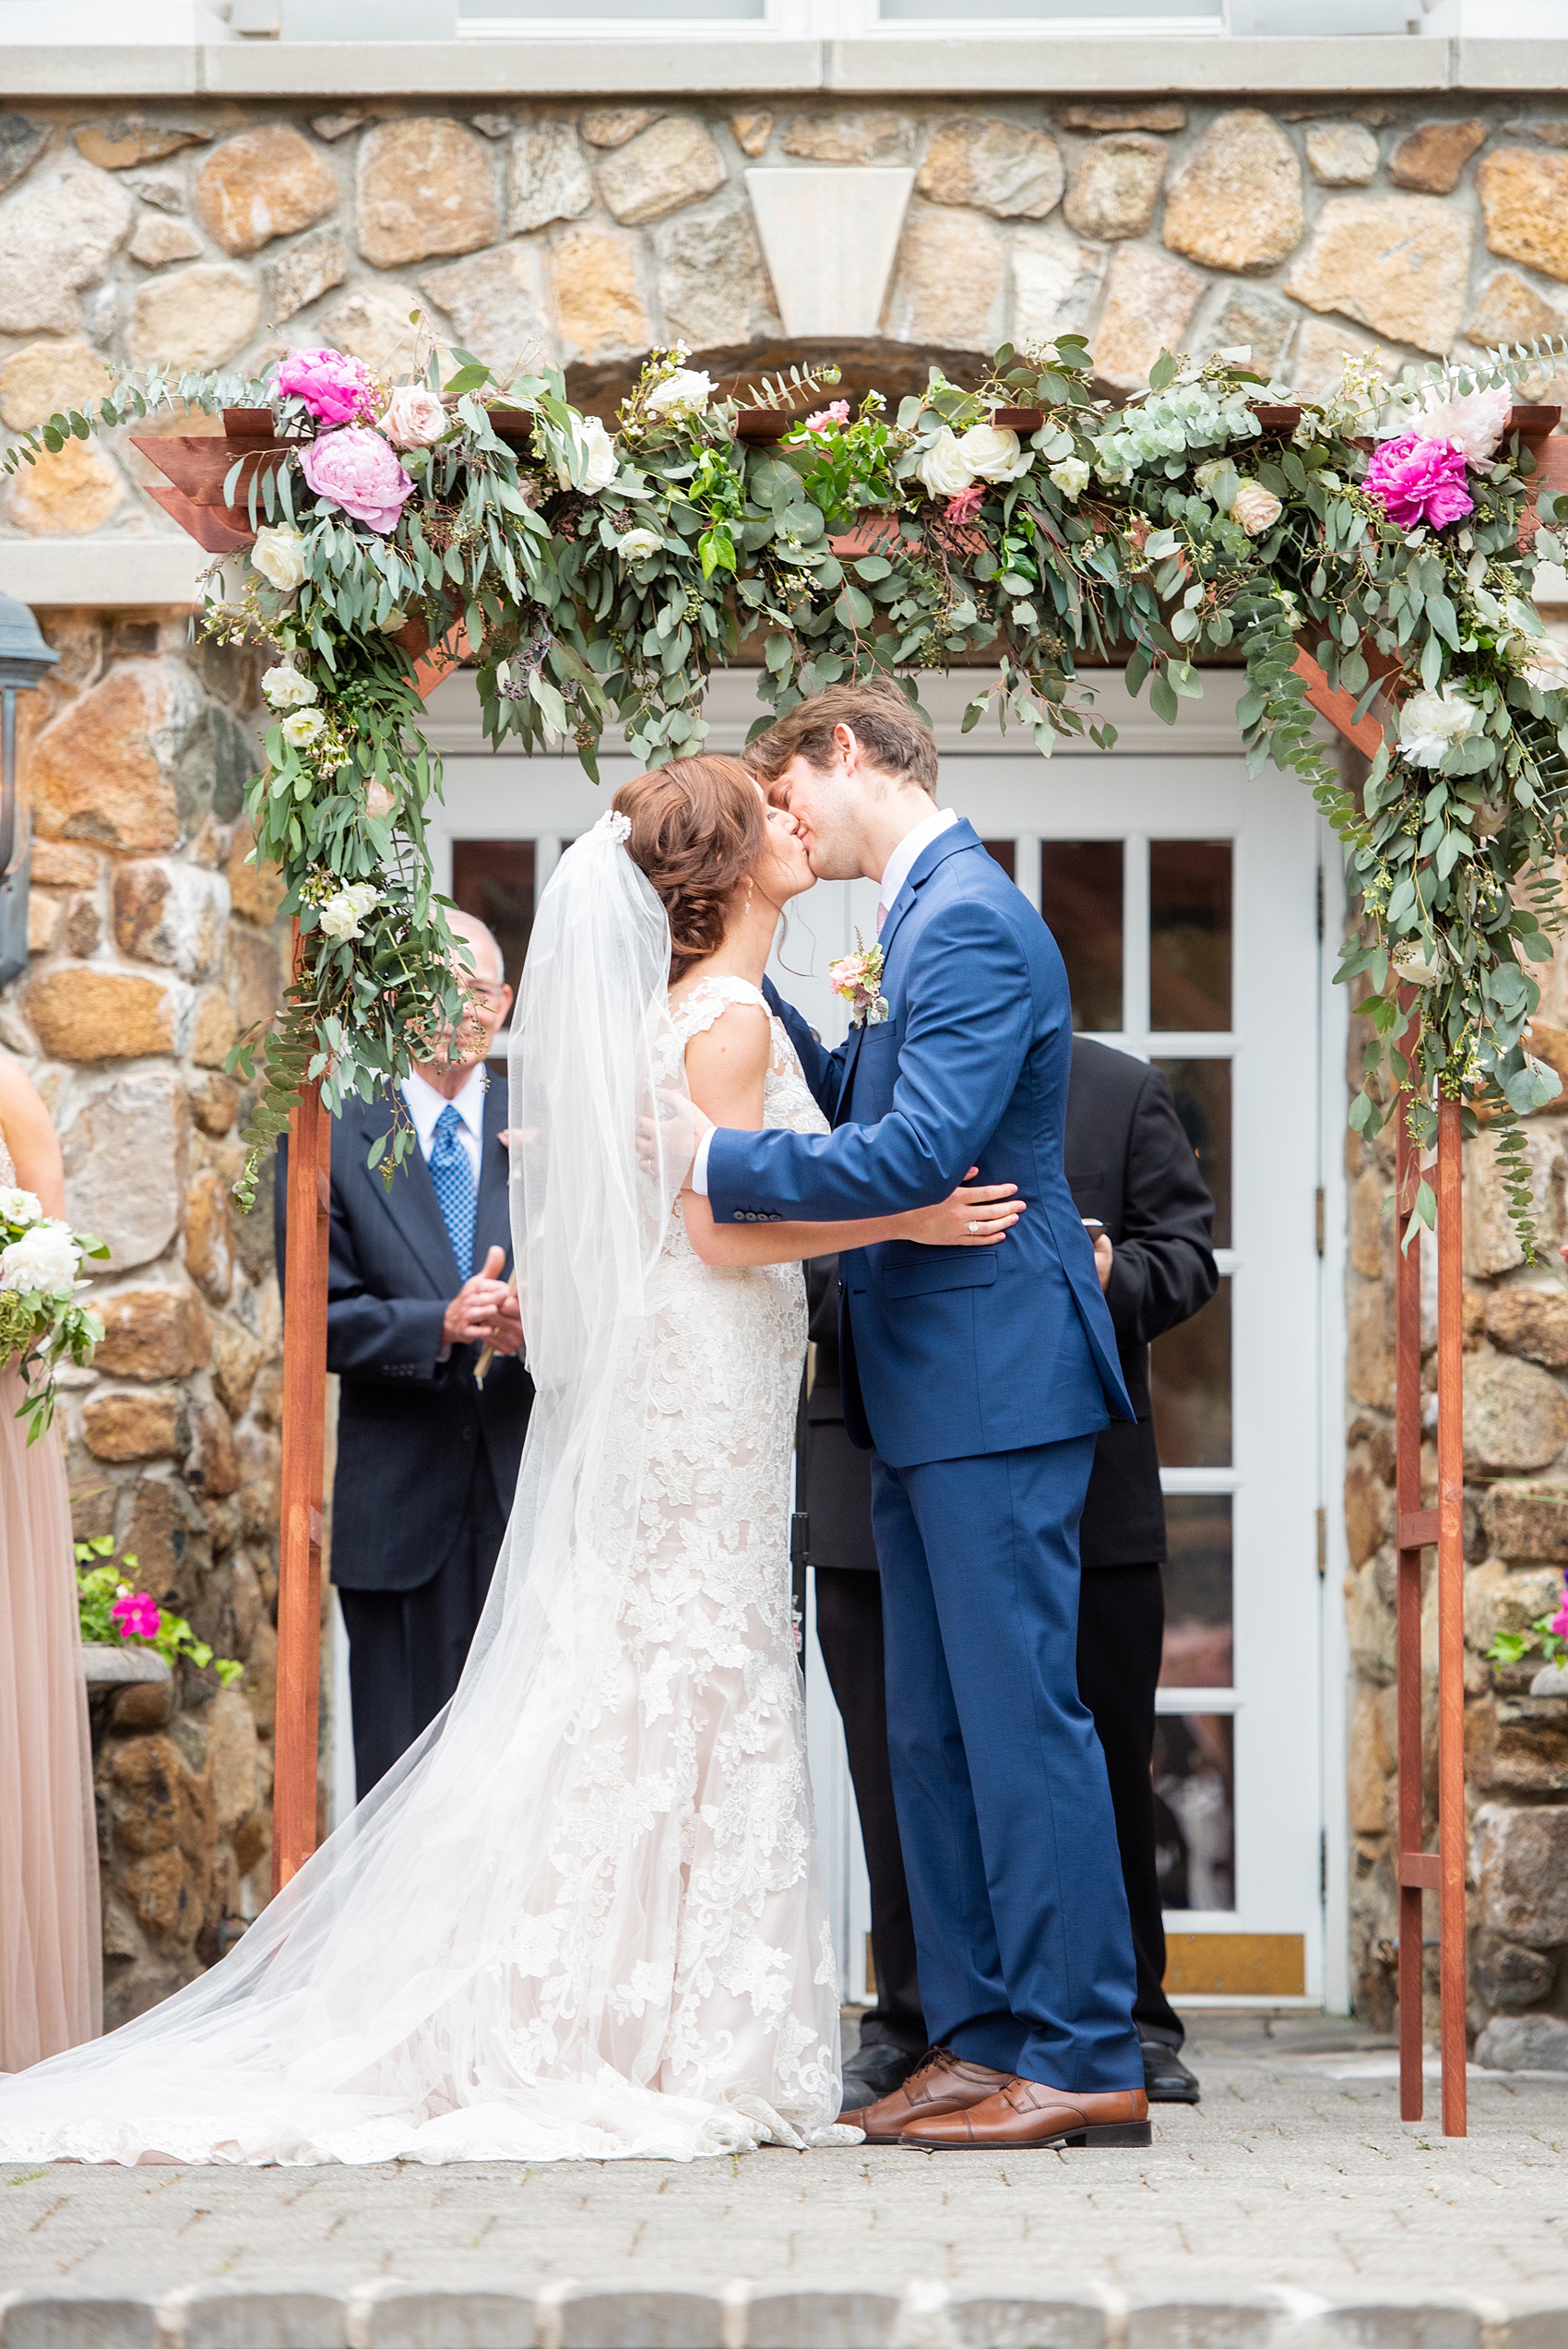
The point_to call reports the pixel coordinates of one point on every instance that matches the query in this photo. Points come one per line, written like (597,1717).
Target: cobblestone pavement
(1292,2209)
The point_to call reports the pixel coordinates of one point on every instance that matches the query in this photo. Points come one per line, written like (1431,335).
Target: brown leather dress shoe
(1024,2112)
(942,2082)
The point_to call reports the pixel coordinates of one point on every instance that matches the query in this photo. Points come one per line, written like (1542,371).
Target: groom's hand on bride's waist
(968,1218)
(669,1140)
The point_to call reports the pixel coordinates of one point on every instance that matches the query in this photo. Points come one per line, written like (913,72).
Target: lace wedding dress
(582,1918)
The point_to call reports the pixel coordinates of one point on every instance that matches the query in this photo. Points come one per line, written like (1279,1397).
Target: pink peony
(336,388)
(413,418)
(1420,481)
(967,504)
(136,1615)
(354,468)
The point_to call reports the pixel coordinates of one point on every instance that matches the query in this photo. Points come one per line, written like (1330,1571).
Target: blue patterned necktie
(453,1176)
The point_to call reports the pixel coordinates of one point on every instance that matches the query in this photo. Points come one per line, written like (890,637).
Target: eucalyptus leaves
(597,578)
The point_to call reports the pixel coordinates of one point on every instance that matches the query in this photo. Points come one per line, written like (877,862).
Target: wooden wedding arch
(218,528)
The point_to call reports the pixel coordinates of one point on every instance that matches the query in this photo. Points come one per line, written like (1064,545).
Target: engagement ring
(974,1228)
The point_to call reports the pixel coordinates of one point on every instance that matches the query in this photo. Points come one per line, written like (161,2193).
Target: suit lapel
(494,1174)
(957,836)
(414,1207)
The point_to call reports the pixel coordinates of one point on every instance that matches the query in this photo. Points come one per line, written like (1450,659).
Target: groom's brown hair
(878,713)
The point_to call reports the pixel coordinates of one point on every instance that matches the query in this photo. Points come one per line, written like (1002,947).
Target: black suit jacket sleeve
(395,1339)
(1163,1269)
(1129,1163)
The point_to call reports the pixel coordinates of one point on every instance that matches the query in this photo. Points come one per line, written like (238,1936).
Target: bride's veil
(389,1978)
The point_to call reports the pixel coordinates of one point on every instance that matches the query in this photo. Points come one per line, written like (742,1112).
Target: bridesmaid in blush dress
(51,1990)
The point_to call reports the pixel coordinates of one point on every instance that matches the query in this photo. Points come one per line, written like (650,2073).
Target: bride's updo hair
(698,827)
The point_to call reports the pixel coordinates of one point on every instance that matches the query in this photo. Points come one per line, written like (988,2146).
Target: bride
(581,1919)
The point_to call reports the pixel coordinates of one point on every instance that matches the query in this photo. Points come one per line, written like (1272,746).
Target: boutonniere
(858,978)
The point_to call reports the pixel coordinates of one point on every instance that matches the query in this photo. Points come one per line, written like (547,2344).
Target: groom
(980,1378)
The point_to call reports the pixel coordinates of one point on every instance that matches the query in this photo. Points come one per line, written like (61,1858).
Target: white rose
(393,623)
(638,544)
(944,469)
(378,800)
(1257,508)
(1476,421)
(993,453)
(1206,474)
(1071,477)
(20,1207)
(1420,962)
(286,689)
(595,467)
(302,729)
(43,1259)
(1430,723)
(685,393)
(279,555)
(343,912)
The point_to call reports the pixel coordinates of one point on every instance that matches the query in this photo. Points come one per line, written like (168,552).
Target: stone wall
(153,944)
(207,234)
(1515,1397)
(214,234)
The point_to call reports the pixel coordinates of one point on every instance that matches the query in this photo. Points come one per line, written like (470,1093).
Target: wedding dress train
(582,1918)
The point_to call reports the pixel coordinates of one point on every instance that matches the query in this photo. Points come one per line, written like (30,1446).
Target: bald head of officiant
(419,1285)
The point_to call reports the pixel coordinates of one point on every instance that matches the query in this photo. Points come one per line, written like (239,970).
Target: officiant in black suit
(427,1458)
(1130,1168)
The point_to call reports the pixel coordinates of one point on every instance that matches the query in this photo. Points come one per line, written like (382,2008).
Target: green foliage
(596,582)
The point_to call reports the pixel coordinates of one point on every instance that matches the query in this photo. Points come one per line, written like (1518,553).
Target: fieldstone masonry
(218,235)
(154,943)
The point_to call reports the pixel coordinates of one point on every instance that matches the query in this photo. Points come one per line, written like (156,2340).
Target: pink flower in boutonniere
(857,978)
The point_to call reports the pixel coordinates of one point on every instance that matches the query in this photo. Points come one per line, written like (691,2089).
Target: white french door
(1187,900)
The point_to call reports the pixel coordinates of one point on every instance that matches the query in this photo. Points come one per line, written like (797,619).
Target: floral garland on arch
(599,578)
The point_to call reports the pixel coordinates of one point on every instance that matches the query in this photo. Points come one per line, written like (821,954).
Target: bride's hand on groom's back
(974,1218)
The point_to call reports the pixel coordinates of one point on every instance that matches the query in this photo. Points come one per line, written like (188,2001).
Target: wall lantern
(25,661)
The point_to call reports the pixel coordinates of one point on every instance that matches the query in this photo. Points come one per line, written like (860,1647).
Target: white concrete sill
(696,65)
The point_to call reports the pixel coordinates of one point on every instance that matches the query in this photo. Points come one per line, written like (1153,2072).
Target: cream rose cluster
(955,462)
(343,914)
(43,1261)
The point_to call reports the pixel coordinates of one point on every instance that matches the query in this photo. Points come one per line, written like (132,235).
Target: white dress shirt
(894,873)
(425,1105)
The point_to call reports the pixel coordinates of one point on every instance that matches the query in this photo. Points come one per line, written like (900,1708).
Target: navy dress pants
(1021,1924)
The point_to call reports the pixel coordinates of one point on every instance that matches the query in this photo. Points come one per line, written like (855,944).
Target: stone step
(396,2314)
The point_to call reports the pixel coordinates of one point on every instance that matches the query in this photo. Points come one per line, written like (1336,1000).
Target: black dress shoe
(1167,2080)
(875,2072)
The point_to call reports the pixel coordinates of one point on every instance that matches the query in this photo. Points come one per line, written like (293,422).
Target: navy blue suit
(427,1460)
(980,1376)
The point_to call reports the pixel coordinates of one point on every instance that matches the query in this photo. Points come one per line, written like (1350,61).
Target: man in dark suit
(1131,1168)
(427,1458)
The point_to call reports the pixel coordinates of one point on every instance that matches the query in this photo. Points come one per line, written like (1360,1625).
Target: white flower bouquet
(42,1321)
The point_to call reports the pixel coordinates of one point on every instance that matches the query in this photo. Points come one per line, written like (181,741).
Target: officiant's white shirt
(894,873)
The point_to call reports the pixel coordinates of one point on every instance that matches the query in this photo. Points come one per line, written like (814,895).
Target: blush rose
(355,470)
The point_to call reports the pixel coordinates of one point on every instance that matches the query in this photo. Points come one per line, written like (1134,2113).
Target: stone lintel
(105,572)
(696,65)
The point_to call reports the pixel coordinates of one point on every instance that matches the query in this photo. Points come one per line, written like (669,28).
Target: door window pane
(1190,1388)
(1194,1770)
(1198,1638)
(493,880)
(1203,1103)
(1006,853)
(1080,896)
(1189,915)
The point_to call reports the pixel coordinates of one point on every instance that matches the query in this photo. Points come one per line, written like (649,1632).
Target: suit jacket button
(468,1435)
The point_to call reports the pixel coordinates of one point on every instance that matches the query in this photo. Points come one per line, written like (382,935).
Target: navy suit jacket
(948,1352)
(413,1432)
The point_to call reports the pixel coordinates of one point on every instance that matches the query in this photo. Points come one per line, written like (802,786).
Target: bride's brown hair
(698,827)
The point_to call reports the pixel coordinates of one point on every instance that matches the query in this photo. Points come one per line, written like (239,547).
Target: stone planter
(106,1664)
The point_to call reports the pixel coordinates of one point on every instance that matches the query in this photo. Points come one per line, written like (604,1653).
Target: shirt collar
(901,864)
(425,1104)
